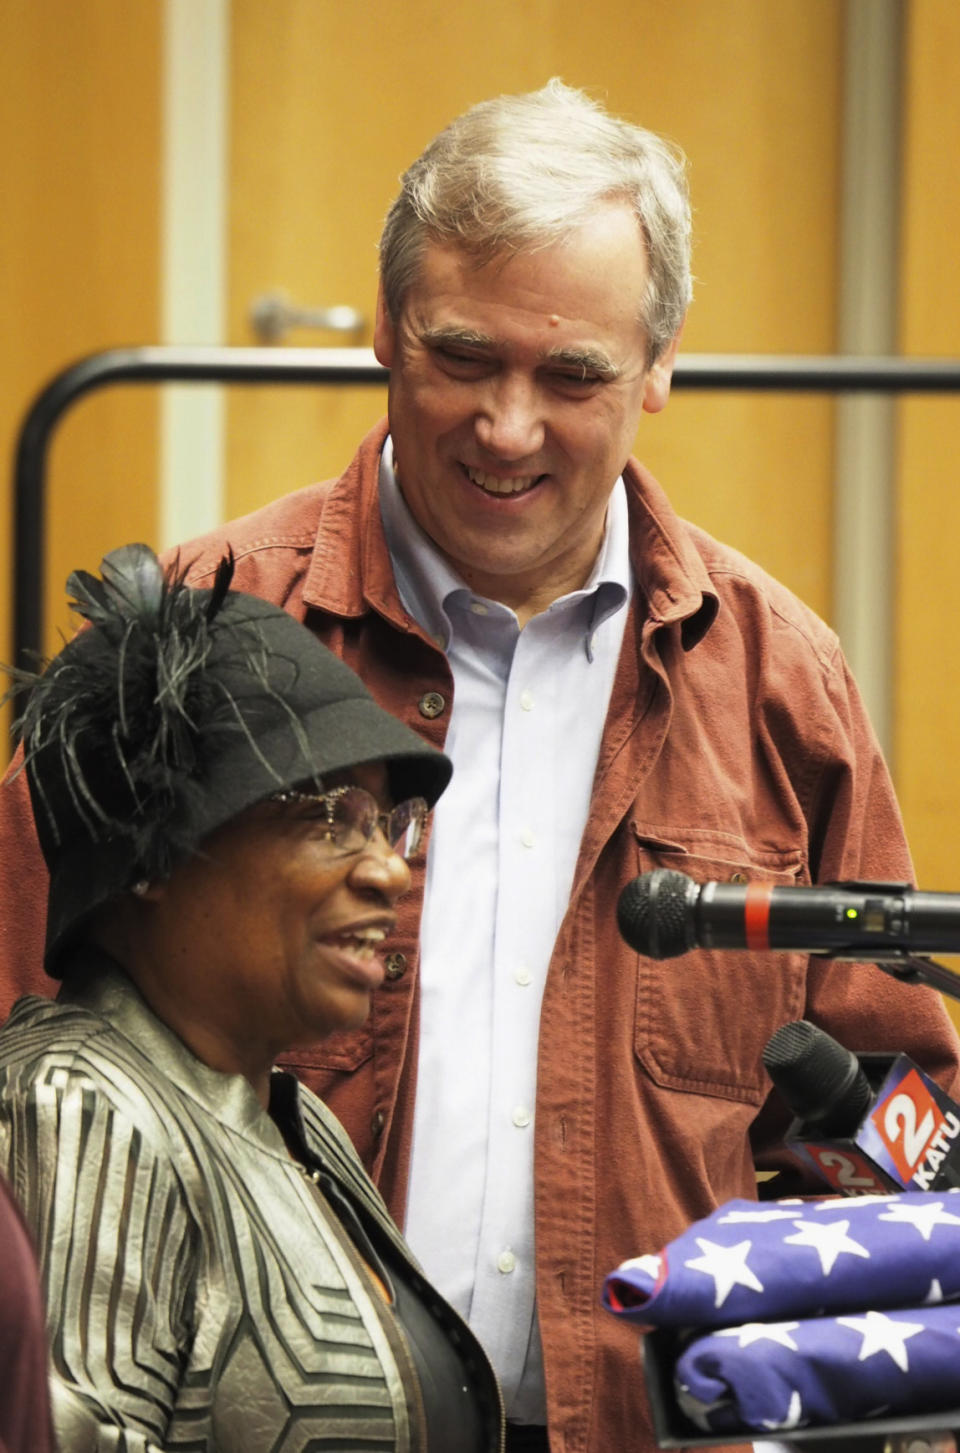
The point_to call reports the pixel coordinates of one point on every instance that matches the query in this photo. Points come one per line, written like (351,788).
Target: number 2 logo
(907,1122)
(847,1173)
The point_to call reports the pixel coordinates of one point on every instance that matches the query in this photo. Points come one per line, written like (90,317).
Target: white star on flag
(935,1294)
(922,1217)
(752,1332)
(829,1239)
(727,1265)
(881,1334)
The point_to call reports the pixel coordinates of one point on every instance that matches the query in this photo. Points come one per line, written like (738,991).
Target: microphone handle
(858,918)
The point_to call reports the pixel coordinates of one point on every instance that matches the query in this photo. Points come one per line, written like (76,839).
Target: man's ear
(656,388)
(384,332)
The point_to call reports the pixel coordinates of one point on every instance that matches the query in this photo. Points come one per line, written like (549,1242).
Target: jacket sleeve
(856,832)
(23,895)
(117,1249)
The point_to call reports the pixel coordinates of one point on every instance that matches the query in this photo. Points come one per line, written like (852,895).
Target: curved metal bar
(138,365)
(741,372)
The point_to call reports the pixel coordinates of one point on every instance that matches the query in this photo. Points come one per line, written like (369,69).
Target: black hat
(176,710)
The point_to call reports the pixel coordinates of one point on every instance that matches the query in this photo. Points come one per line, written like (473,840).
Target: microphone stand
(907,968)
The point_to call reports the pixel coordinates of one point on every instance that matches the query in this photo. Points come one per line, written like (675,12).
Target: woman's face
(270,939)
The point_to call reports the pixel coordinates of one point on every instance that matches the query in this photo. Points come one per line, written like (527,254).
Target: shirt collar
(427,583)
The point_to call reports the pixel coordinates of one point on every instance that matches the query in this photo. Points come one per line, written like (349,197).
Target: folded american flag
(773,1376)
(830,1311)
(750,1262)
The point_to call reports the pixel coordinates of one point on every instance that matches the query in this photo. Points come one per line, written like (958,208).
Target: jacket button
(395,966)
(377,1123)
(431,704)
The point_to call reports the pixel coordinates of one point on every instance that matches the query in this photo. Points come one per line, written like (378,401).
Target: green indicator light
(853,913)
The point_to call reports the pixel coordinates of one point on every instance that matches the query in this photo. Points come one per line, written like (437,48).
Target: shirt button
(739,878)
(527,837)
(521,1117)
(431,704)
(478,608)
(395,966)
(524,978)
(377,1123)
(506,1262)
(526,701)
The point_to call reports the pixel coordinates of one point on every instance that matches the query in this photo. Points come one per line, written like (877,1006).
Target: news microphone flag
(894,1129)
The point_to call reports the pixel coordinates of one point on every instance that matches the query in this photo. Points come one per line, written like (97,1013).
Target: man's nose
(510,421)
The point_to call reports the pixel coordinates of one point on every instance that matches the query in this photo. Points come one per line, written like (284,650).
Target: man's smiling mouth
(494,484)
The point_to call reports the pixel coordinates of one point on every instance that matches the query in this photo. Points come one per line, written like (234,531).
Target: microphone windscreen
(823,1083)
(654,914)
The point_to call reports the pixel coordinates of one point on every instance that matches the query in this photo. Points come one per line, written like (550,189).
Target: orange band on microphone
(756,915)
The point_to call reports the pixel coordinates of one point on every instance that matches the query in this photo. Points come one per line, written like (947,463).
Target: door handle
(272,316)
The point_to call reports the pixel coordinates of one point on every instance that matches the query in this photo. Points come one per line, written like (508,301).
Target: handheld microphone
(873,1123)
(664,913)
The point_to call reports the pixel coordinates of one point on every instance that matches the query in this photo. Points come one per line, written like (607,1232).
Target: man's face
(515,393)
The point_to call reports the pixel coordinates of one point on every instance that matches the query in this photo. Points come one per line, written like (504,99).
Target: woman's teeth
(495,485)
(364,941)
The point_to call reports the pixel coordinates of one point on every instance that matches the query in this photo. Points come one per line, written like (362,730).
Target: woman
(225,813)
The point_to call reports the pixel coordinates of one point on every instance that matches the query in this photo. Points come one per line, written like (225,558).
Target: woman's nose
(380,866)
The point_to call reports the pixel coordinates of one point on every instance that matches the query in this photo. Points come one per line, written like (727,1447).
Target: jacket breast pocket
(703,1019)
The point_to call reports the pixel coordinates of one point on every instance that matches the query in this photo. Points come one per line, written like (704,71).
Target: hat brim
(336,736)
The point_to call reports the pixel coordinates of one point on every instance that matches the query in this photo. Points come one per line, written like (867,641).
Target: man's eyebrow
(451,337)
(585,361)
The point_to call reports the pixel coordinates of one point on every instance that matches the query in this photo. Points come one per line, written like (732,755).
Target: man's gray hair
(517,173)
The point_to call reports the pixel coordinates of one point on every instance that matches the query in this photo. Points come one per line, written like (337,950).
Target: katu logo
(914,1129)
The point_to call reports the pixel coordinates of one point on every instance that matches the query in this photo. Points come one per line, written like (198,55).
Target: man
(618,691)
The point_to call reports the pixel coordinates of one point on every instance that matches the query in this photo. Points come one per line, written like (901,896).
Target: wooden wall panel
(928,519)
(330,102)
(79,239)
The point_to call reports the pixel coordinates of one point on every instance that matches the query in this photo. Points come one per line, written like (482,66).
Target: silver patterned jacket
(200,1293)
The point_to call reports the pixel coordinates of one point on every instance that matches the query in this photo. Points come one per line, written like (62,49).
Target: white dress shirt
(524,735)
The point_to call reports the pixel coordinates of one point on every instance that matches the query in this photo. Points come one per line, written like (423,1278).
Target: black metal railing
(326,366)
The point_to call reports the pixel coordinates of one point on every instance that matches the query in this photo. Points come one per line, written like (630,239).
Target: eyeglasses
(351,815)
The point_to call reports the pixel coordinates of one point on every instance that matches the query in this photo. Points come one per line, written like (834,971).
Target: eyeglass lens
(354,816)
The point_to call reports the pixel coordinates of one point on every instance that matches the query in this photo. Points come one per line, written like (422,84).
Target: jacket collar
(673,579)
(98,984)
(350,570)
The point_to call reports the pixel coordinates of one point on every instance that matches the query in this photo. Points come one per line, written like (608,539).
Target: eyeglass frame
(416,809)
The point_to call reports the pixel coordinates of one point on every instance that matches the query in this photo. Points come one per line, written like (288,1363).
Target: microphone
(664,913)
(869,1124)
